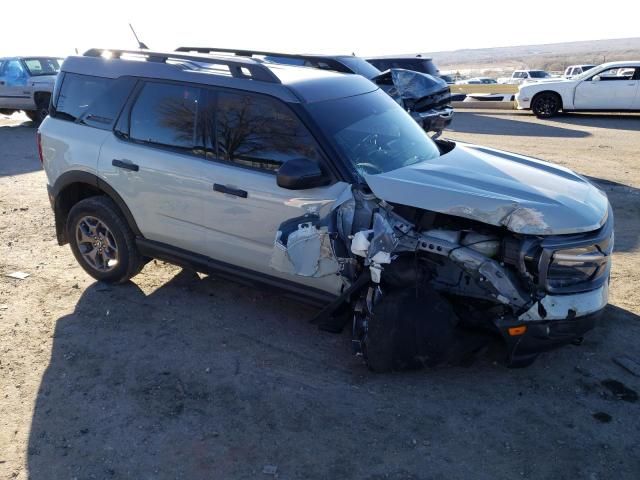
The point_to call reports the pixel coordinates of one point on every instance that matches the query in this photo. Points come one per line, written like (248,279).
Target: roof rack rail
(314,59)
(237,67)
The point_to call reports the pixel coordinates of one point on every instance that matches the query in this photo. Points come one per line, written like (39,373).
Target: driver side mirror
(597,78)
(300,174)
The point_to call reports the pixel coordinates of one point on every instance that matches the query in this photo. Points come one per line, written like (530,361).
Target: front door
(255,135)
(611,89)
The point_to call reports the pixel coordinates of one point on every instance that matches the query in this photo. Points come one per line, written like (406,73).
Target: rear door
(611,89)
(155,162)
(250,137)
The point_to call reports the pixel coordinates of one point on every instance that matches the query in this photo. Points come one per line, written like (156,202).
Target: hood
(543,80)
(550,82)
(525,195)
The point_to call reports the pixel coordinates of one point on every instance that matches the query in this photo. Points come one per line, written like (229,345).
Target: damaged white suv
(320,184)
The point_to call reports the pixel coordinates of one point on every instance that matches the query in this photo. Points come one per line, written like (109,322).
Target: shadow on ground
(206,379)
(492,124)
(618,121)
(625,201)
(13,159)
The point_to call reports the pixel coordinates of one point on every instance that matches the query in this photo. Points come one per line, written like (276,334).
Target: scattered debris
(629,364)
(270,470)
(620,390)
(602,417)
(18,275)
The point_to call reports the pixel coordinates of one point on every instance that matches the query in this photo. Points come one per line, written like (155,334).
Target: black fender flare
(80,177)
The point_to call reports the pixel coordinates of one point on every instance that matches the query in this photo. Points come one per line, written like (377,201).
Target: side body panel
(241,231)
(165,194)
(602,95)
(67,146)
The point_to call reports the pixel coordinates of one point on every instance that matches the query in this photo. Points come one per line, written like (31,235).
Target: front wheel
(102,241)
(546,105)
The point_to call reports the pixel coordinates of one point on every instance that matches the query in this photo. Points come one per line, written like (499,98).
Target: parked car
(448,78)
(477,81)
(320,184)
(525,76)
(26,84)
(573,70)
(426,97)
(608,87)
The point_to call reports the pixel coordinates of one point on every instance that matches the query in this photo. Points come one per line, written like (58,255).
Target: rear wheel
(546,105)
(102,241)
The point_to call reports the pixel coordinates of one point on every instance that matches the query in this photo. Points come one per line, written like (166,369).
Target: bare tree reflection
(178,116)
(259,132)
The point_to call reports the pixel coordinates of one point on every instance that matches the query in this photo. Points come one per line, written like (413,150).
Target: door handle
(229,190)
(126,164)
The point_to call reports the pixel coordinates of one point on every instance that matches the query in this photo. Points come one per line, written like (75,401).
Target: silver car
(322,185)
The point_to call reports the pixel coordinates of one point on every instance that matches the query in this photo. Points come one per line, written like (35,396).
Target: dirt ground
(182,376)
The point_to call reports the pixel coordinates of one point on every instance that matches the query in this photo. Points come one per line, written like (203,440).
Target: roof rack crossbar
(330,62)
(237,66)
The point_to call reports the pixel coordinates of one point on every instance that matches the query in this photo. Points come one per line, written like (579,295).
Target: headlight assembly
(575,265)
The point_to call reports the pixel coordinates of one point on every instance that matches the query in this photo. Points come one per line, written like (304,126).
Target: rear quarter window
(92,101)
(77,93)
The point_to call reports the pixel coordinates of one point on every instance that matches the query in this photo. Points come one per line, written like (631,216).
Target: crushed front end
(425,287)
(425,97)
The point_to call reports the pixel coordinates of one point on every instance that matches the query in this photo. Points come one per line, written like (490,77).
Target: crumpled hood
(523,194)
(414,91)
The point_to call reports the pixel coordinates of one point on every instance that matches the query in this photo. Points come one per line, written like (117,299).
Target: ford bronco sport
(320,184)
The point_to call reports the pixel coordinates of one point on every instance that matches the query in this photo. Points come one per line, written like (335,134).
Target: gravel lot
(180,375)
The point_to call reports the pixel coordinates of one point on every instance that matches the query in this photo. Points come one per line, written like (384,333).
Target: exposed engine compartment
(401,249)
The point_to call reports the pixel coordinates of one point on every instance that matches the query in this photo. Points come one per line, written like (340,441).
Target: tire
(408,332)
(33,115)
(42,110)
(546,105)
(102,241)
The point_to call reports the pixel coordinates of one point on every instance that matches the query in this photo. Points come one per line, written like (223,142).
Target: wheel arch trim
(79,177)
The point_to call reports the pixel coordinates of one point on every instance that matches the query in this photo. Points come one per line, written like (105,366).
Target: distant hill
(551,57)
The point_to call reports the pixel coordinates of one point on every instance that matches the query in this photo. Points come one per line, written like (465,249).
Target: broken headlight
(575,265)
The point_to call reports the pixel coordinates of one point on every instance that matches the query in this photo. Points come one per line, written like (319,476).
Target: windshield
(360,66)
(373,132)
(43,66)
(538,74)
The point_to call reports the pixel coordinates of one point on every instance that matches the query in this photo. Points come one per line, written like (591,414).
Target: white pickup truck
(26,83)
(522,76)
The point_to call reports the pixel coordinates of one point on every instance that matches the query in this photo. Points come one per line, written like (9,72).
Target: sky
(324,26)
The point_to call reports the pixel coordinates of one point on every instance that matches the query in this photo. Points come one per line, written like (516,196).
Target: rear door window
(255,131)
(165,115)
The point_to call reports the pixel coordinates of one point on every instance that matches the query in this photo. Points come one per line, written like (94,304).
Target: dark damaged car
(322,185)
(425,96)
